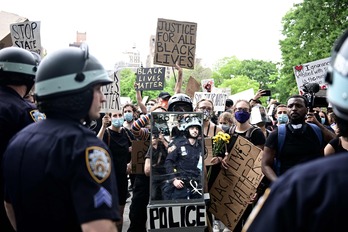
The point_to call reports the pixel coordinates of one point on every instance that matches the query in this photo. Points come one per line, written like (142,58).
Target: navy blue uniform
(308,197)
(15,114)
(182,163)
(58,175)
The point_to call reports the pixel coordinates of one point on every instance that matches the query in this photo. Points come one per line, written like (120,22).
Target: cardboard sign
(234,186)
(208,151)
(112,95)
(312,72)
(175,43)
(27,35)
(139,150)
(208,85)
(176,216)
(218,99)
(192,87)
(150,78)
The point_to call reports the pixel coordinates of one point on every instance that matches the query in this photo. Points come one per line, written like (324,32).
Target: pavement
(126,221)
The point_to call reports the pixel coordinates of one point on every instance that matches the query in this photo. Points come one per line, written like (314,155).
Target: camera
(310,89)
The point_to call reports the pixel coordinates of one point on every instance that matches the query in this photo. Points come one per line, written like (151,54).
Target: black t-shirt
(299,146)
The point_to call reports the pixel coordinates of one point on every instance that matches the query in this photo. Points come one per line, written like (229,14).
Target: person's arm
(327,134)
(138,128)
(329,150)
(267,163)
(105,124)
(147,166)
(139,99)
(102,225)
(178,84)
(10,214)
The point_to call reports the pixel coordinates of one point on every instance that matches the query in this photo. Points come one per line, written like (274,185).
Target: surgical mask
(283,118)
(224,127)
(242,116)
(206,115)
(322,120)
(117,122)
(128,117)
(148,108)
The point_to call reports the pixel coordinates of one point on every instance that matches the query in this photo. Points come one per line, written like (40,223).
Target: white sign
(312,72)
(218,99)
(27,35)
(112,94)
(177,216)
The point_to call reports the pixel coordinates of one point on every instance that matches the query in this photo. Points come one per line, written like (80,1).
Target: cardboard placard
(192,87)
(150,78)
(218,99)
(208,151)
(27,35)
(139,150)
(175,43)
(112,95)
(234,186)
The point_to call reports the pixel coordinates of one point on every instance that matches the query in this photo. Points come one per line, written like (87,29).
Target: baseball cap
(164,95)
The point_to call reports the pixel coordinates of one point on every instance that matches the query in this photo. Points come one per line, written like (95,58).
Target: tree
(310,30)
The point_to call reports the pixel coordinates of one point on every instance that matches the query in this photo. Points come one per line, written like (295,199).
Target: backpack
(248,133)
(281,141)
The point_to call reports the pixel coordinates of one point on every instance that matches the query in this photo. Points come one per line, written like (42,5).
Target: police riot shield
(177,172)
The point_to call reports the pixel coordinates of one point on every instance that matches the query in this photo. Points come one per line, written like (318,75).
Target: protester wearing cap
(163,98)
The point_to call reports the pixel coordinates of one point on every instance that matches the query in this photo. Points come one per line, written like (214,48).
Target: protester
(17,75)
(119,140)
(303,141)
(312,196)
(58,174)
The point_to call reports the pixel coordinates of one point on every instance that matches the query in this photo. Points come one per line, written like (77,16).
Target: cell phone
(266,92)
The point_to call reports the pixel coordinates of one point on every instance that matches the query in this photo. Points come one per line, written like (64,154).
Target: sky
(247,29)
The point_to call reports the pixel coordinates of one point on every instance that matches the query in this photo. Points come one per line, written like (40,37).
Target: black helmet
(65,80)
(180,102)
(337,77)
(17,67)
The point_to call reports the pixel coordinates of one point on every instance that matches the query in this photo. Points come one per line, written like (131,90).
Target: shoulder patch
(37,115)
(98,163)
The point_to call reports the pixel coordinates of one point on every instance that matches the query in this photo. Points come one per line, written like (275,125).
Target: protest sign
(27,35)
(150,78)
(312,72)
(139,150)
(218,99)
(234,186)
(192,87)
(112,94)
(175,43)
(208,85)
(208,151)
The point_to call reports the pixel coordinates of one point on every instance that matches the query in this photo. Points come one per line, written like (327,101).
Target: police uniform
(308,197)
(183,163)
(15,114)
(58,176)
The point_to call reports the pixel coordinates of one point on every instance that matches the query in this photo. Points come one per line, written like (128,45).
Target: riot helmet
(65,81)
(17,67)
(193,121)
(337,77)
(180,103)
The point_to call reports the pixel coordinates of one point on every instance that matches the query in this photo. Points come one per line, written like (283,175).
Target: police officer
(182,162)
(58,175)
(17,74)
(312,196)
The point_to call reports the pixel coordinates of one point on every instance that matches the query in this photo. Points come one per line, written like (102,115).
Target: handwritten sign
(218,99)
(208,151)
(192,87)
(207,85)
(312,72)
(139,150)
(233,186)
(27,35)
(177,216)
(150,78)
(175,43)
(112,95)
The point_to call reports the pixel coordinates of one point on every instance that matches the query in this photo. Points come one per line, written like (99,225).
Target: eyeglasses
(242,109)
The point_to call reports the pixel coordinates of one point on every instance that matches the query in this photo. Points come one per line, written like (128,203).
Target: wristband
(206,196)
